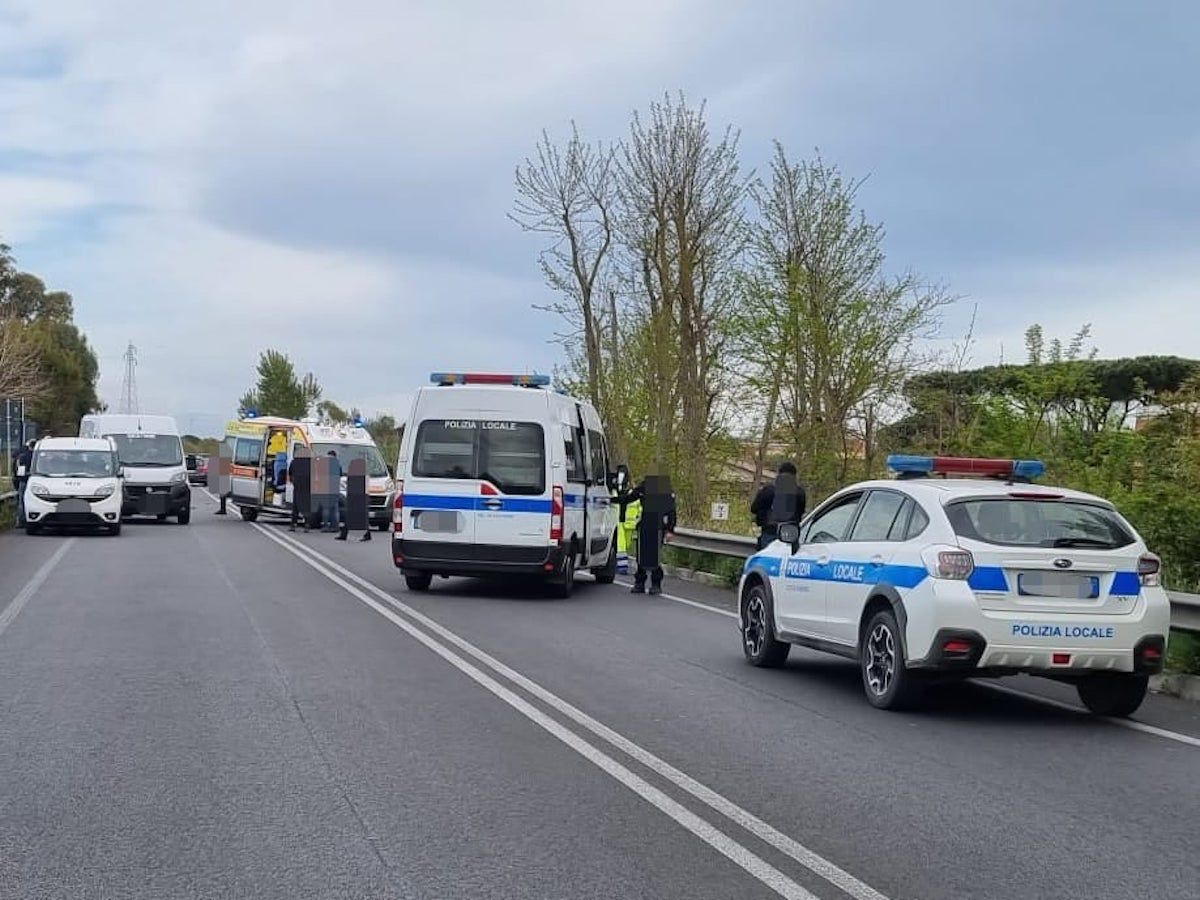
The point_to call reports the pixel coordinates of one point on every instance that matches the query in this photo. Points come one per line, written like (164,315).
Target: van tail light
(1149,570)
(556,514)
(950,563)
(398,509)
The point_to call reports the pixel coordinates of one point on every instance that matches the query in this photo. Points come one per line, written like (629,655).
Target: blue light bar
(1029,468)
(448,378)
(905,464)
(901,462)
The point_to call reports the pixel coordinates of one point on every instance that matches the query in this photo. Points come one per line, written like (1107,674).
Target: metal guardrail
(10,495)
(1185,608)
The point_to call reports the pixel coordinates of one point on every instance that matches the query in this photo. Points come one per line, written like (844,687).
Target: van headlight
(179,478)
(39,490)
(103,491)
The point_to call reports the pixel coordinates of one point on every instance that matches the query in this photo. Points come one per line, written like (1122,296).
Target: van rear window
(1018,522)
(511,455)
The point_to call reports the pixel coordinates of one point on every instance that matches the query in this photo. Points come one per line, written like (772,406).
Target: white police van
(499,476)
(928,577)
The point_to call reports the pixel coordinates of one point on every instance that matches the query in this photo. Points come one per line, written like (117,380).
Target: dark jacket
(24,458)
(661,506)
(764,501)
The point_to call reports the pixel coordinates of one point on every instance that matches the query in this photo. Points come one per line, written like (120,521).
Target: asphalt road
(222,710)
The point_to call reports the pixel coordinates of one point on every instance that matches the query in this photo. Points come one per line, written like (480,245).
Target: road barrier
(1185,608)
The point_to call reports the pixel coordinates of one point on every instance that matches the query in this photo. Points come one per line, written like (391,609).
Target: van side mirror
(391,471)
(789,533)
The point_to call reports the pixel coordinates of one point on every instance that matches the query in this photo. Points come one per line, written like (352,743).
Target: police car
(929,577)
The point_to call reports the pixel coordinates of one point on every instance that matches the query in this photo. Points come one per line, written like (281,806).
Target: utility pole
(129,394)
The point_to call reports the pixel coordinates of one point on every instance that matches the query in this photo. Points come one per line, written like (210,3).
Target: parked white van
(499,476)
(73,482)
(151,455)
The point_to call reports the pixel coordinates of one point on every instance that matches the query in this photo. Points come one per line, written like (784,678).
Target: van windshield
(346,453)
(148,449)
(74,464)
(510,455)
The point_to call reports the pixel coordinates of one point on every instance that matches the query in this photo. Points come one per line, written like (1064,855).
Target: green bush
(1183,653)
(727,568)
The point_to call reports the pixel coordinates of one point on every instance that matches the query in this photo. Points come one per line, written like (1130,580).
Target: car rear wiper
(1082,542)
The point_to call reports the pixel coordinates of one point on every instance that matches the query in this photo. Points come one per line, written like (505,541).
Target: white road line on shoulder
(707,607)
(727,846)
(39,577)
(1112,720)
(811,860)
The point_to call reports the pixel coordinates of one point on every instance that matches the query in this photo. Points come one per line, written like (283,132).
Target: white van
(499,476)
(73,482)
(151,455)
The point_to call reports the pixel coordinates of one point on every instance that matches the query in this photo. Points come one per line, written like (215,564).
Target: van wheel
(607,573)
(887,683)
(1113,693)
(249,513)
(562,587)
(419,581)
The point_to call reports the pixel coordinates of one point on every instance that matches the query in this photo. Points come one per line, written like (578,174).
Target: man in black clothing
(658,518)
(300,475)
(776,503)
(22,465)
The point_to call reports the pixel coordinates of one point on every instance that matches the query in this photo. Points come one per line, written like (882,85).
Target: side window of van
(599,461)
(248,452)
(573,446)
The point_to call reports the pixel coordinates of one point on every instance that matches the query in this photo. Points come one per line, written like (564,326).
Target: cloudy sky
(209,179)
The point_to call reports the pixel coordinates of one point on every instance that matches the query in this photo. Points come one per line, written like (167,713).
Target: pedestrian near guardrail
(777,503)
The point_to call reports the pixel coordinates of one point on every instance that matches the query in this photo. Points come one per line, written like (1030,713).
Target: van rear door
(441,490)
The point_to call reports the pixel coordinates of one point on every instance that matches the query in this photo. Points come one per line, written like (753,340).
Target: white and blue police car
(926,577)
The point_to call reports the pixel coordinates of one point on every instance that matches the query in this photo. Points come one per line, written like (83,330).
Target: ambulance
(261,447)
(499,476)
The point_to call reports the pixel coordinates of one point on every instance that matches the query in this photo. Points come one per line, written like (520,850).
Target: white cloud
(29,203)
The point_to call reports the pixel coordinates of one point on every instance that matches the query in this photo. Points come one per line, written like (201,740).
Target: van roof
(122,423)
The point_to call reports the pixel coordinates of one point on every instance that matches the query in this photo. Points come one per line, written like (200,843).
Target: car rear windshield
(511,455)
(1017,522)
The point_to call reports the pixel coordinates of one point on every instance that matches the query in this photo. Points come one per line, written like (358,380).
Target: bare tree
(568,193)
(681,195)
(20,363)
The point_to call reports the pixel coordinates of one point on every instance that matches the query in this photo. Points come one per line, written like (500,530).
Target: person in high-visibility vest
(631,515)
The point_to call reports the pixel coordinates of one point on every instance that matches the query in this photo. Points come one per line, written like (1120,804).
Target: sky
(333,180)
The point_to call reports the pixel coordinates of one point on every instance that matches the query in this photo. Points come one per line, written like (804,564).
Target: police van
(498,475)
(958,568)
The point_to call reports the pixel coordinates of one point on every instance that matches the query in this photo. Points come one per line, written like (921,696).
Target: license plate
(1062,585)
(439,521)
(74,506)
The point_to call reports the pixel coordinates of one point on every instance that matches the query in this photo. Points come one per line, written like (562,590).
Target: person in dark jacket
(22,467)
(658,519)
(770,514)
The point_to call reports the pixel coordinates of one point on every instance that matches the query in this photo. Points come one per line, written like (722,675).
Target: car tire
(561,588)
(249,513)
(31,529)
(1113,693)
(886,681)
(759,643)
(607,573)
(185,516)
(419,581)
(113,530)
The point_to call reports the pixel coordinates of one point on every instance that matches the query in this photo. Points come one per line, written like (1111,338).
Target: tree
(21,373)
(278,391)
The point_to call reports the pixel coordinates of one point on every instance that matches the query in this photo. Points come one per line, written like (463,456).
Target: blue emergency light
(907,465)
(250,414)
(447,378)
(359,423)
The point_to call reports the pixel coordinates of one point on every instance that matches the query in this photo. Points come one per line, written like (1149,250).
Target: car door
(862,561)
(602,514)
(800,597)
(246,481)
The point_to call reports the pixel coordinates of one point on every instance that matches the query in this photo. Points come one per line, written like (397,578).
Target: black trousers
(767,536)
(649,557)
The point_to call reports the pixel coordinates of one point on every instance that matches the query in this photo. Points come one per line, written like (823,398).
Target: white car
(74,482)
(925,577)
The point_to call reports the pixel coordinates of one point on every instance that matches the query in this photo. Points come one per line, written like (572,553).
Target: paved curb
(697,576)
(1185,687)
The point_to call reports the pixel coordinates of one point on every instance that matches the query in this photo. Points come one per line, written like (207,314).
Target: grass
(726,568)
(1183,653)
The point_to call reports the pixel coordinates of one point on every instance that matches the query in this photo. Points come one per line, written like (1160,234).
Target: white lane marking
(727,846)
(1124,723)
(707,607)
(39,577)
(1131,724)
(747,820)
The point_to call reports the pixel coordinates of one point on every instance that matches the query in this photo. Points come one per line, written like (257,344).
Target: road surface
(224,710)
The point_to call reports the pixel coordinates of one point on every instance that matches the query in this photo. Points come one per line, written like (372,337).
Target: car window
(831,524)
(574,454)
(917,523)
(247,452)
(879,513)
(1021,522)
(599,464)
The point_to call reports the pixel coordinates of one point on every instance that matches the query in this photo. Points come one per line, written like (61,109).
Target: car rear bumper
(1059,644)
(440,558)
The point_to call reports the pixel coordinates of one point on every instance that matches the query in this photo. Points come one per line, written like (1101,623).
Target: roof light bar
(448,378)
(905,464)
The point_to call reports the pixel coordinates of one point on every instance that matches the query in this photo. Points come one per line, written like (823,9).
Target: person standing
(21,471)
(300,476)
(781,500)
(658,520)
(329,514)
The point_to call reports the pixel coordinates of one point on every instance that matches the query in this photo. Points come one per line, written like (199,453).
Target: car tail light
(950,563)
(1148,569)
(957,646)
(398,509)
(556,514)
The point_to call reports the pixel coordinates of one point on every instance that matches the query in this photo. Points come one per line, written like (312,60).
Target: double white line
(472,662)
